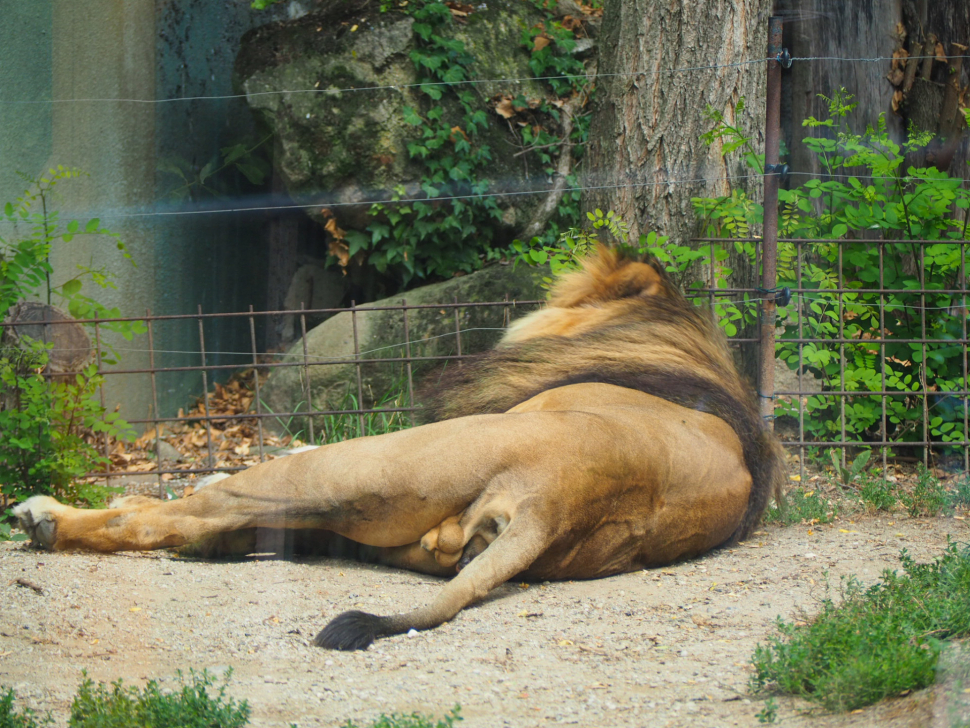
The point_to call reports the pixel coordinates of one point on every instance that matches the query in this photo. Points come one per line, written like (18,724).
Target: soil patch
(664,647)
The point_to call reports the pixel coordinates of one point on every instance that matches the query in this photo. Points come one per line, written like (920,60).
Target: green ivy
(895,203)
(566,76)
(430,237)
(453,229)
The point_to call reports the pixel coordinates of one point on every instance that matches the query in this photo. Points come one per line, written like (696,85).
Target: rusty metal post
(205,392)
(766,379)
(259,401)
(306,376)
(158,424)
(104,435)
(360,383)
(407,350)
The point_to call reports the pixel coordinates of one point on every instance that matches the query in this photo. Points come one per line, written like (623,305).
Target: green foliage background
(861,269)
(46,424)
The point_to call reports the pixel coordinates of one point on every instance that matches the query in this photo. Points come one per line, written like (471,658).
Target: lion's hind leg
(513,551)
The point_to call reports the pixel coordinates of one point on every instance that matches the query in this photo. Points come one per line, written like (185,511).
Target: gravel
(665,647)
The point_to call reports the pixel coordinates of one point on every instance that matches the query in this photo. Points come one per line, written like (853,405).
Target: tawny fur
(620,321)
(608,432)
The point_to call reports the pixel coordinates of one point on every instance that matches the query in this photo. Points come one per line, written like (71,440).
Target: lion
(607,432)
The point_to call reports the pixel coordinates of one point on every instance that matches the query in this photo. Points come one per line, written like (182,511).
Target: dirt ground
(667,647)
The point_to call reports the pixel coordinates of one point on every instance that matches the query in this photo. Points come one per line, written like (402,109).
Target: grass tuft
(414,720)
(928,497)
(802,506)
(120,706)
(878,494)
(878,642)
(195,705)
(336,428)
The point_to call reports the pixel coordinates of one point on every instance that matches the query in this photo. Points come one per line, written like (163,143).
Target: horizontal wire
(412,200)
(352,357)
(466,82)
(450,198)
(873,59)
(396,86)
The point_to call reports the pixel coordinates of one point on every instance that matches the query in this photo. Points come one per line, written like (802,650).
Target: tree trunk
(821,28)
(645,134)
(941,85)
(646,129)
(907,92)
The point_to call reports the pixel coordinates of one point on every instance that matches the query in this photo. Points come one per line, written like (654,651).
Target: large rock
(351,146)
(380,335)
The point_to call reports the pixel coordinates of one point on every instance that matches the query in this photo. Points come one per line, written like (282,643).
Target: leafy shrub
(679,261)
(878,642)
(27,718)
(25,269)
(47,425)
(845,208)
(193,706)
(47,428)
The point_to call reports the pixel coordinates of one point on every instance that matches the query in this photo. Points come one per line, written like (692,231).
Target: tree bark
(645,151)
(820,28)
(948,22)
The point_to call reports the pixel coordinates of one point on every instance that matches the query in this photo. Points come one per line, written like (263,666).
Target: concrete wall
(79,55)
(25,85)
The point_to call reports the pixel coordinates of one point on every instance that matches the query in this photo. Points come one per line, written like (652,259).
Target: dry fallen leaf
(504,108)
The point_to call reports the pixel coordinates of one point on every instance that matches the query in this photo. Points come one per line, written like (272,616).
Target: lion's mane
(619,321)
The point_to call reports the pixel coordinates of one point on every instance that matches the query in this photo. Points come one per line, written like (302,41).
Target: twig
(563,168)
(29,585)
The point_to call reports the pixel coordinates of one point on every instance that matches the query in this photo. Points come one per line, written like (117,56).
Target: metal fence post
(766,378)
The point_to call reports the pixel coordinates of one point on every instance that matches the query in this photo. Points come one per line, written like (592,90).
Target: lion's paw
(445,541)
(36,517)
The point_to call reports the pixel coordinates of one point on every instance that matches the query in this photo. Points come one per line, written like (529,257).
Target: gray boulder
(343,146)
(331,383)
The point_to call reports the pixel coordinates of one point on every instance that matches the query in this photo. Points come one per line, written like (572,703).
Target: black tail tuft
(351,631)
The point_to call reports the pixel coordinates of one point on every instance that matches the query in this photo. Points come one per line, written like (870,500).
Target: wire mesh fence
(876,339)
(871,353)
(868,337)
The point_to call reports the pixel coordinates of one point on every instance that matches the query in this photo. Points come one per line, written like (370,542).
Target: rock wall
(380,334)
